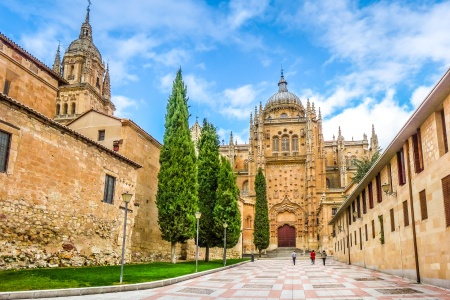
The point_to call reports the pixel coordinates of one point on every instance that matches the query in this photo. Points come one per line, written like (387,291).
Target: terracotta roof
(66,129)
(32,58)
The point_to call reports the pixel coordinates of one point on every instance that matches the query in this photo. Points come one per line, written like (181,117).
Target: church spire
(86,28)
(57,62)
(107,84)
(282,84)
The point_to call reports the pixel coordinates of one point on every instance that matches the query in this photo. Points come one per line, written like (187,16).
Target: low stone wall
(34,237)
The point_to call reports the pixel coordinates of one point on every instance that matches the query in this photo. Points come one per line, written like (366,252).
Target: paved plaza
(280,279)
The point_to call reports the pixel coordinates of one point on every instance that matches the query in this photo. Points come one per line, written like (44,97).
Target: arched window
(97,84)
(249,222)
(58,109)
(295,143)
(283,115)
(65,109)
(73,108)
(276,144)
(285,144)
(245,188)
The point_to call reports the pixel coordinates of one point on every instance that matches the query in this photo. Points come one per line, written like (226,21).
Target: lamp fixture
(387,190)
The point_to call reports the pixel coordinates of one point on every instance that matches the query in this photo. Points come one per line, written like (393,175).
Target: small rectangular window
(366,232)
(441,130)
(423,205)
(405,213)
(446,194)
(370,195)
(333,211)
(6,87)
(401,167)
(110,183)
(378,182)
(358,206)
(392,220)
(373,229)
(101,135)
(364,201)
(360,239)
(417,151)
(5,143)
(356,240)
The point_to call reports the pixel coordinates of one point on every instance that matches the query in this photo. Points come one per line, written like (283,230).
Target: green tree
(176,198)
(364,165)
(226,209)
(208,169)
(261,233)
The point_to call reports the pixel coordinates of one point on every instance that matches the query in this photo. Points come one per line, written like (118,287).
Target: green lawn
(58,278)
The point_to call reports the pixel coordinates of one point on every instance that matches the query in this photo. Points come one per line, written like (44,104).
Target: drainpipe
(416,255)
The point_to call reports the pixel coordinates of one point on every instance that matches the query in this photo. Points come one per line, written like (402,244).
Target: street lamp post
(225,225)
(126,198)
(197,216)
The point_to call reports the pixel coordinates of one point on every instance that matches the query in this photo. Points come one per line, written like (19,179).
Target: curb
(108,289)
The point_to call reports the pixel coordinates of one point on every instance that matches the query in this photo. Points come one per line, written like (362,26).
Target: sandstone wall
(51,207)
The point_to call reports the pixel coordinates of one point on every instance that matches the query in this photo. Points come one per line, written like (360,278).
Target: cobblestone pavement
(280,279)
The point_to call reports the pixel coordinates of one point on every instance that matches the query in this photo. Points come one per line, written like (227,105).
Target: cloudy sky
(362,62)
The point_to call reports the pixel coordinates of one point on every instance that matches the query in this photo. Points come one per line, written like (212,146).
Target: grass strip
(59,278)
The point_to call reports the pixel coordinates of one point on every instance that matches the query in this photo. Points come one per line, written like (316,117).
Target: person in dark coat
(294,256)
(324,256)
(313,257)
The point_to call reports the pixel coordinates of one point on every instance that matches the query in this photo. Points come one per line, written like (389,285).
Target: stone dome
(84,42)
(283,98)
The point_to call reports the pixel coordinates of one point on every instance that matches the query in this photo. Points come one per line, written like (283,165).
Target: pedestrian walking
(294,256)
(324,256)
(313,257)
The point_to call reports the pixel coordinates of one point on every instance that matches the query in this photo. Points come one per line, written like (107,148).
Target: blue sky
(361,62)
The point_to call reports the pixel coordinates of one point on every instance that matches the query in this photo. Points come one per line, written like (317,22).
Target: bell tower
(89,83)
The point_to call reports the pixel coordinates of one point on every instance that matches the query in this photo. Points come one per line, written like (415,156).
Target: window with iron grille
(333,211)
(110,183)
(401,167)
(423,205)
(417,150)
(5,142)
(285,144)
(405,213)
(446,194)
(294,143)
(392,220)
(378,183)
(370,195)
(101,135)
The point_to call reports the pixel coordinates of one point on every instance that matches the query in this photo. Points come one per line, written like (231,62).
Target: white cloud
(419,95)
(387,116)
(122,103)
(243,10)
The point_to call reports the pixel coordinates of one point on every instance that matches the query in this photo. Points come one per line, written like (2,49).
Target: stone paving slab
(276,279)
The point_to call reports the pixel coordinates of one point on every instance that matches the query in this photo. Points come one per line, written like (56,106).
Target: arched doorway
(286,236)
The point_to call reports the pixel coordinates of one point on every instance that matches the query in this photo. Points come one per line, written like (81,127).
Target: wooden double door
(286,236)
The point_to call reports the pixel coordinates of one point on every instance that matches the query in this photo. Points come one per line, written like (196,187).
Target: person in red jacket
(313,257)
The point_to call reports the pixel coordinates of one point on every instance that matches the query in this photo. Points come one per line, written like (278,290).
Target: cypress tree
(208,169)
(226,209)
(176,198)
(262,228)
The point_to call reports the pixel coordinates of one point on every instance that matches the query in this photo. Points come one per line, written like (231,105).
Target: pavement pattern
(280,279)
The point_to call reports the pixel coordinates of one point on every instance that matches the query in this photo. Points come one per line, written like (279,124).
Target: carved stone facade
(305,175)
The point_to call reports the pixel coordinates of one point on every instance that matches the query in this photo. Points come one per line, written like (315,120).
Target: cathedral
(306,176)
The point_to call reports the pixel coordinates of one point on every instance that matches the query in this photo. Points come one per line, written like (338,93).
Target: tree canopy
(208,170)
(176,198)
(363,166)
(226,209)
(262,227)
